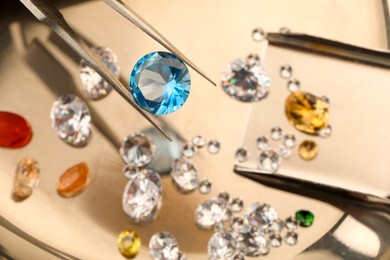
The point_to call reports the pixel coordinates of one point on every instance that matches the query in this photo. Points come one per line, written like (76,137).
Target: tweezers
(48,14)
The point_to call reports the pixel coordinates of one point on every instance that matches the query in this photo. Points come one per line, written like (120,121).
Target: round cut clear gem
(210,212)
(252,59)
(325,132)
(239,256)
(189,150)
(129,171)
(225,196)
(286,71)
(276,133)
(284,152)
(214,146)
(269,161)
(245,83)
(94,85)
(71,118)
(237,222)
(261,215)
(276,226)
(258,35)
(205,186)
(160,83)
(285,30)
(275,240)
(163,246)
(293,85)
(242,155)
(184,175)
(250,242)
(291,223)
(262,142)
(142,196)
(199,141)
(291,238)
(137,150)
(221,246)
(236,205)
(289,140)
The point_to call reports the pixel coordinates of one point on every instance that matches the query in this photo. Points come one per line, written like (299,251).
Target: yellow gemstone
(26,178)
(74,180)
(308,150)
(306,112)
(129,243)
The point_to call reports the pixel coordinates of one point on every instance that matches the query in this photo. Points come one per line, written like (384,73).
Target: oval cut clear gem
(184,175)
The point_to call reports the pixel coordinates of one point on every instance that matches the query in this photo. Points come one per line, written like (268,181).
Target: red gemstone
(15,131)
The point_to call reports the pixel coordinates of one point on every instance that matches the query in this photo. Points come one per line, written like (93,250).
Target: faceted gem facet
(74,180)
(26,178)
(142,196)
(242,155)
(245,82)
(308,150)
(221,246)
(184,175)
(269,161)
(94,85)
(71,119)
(210,212)
(261,215)
(305,218)
(160,83)
(15,131)
(129,243)
(163,246)
(214,146)
(306,112)
(137,150)
(205,186)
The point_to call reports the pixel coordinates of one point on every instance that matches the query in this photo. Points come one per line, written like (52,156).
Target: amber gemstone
(306,112)
(26,178)
(308,150)
(15,131)
(74,180)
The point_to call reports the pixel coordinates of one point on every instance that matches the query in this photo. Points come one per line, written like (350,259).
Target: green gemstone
(305,218)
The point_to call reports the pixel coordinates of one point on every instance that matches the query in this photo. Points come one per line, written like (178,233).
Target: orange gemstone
(74,180)
(15,131)
(26,178)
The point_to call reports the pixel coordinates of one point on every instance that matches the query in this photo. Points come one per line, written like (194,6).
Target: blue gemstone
(160,83)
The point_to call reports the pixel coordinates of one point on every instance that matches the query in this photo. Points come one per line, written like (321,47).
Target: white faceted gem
(236,205)
(239,256)
(275,239)
(286,71)
(276,133)
(291,238)
(293,85)
(242,155)
(325,132)
(258,35)
(142,196)
(94,85)
(213,146)
(237,223)
(129,171)
(71,118)
(276,226)
(189,150)
(250,242)
(289,140)
(221,246)
(224,195)
(262,142)
(163,246)
(291,223)
(205,186)
(269,161)
(184,175)
(252,60)
(199,141)
(211,212)
(285,30)
(137,150)
(284,152)
(261,215)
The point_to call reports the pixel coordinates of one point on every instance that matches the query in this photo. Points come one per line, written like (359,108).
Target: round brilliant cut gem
(214,146)
(137,150)
(199,141)
(289,140)
(130,171)
(224,195)
(244,82)
(236,205)
(189,150)
(163,246)
(276,133)
(275,239)
(293,85)
(205,186)
(95,86)
(276,226)
(160,83)
(286,71)
(250,242)
(269,161)
(242,155)
(221,246)
(252,59)
(129,243)
(142,196)
(261,215)
(305,218)
(258,35)
(325,132)
(262,142)
(291,238)
(71,119)
(184,175)
(291,223)
(26,177)
(308,150)
(284,152)
(210,212)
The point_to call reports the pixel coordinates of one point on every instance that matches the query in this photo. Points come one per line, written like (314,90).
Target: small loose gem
(214,146)
(250,242)
(285,30)
(184,175)
(269,161)
(258,35)
(142,196)
(275,239)
(71,118)
(26,177)
(129,171)
(261,215)
(293,85)
(73,180)
(286,71)
(224,195)
(242,155)
(325,132)
(15,131)
(160,83)
(221,246)
(252,59)
(189,150)
(239,256)
(262,142)
(94,85)
(137,150)
(291,223)
(289,140)
(236,205)
(308,150)
(237,223)
(210,212)
(199,141)
(245,82)
(291,238)
(163,246)
(284,152)
(129,243)
(205,186)
(305,218)
(276,133)
(276,226)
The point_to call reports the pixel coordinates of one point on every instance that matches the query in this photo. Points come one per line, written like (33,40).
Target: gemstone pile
(26,178)
(74,180)
(163,246)
(129,243)
(15,131)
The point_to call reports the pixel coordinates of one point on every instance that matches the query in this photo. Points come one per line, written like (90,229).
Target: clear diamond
(262,142)
(276,133)
(275,240)
(225,196)
(163,246)
(286,71)
(71,119)
(250,242)
(291,238)
(293,85)
(258,35)
(325,132)
(94,85)
(137,150)
(261,215)
(223,226)
(289,140)
(237,222)
(142,196)
(239,256)
(184,175)
(236,205)
(269,161)
(199,141)
(242,155)
(205,186)
(245,83)
(160,83)
(285,30)
(252,59)
(276,226)
(129,171)
(189,150)
(211,212)
(214,146)
(221,246)
(291,223)
(284,152)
